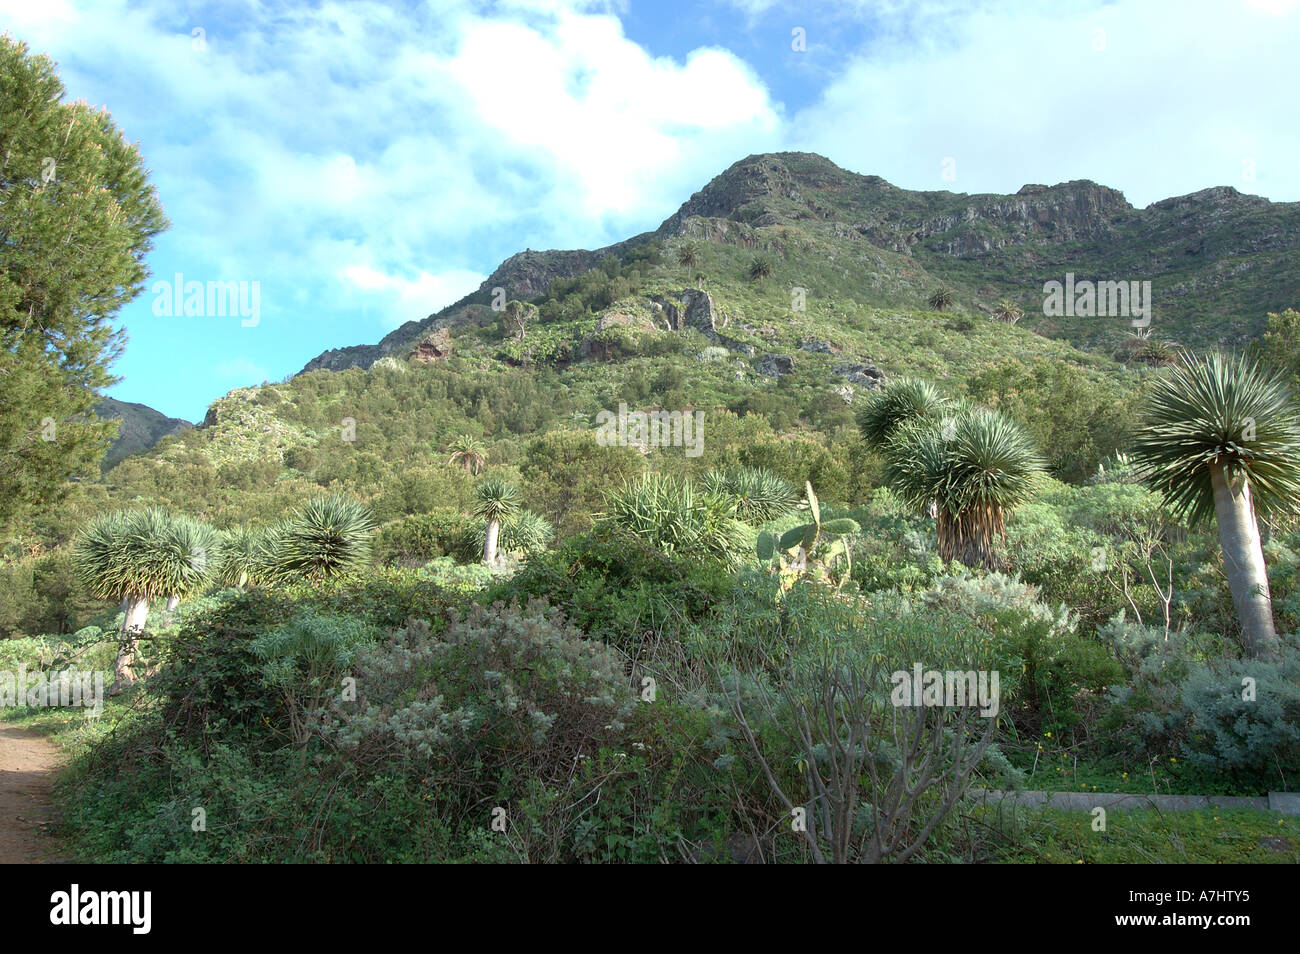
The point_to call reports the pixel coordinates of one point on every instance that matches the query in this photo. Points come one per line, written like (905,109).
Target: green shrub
(305,659)
(1049,672)
(1243,716)
(385,598)
(415,540)
(1183,695)
(999,597)
(464,579)
(896,550)
(43,595)
(210,682)
(618,589)
(505,693)
(874,777)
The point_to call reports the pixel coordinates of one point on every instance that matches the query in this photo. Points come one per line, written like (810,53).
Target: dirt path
(28,762)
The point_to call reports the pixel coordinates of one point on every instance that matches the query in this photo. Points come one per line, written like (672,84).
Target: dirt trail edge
(28,762)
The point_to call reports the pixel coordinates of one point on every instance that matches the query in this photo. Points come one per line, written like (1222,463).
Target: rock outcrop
(593,347)
(866,376)
(690,308)
(775,365)
(434,346)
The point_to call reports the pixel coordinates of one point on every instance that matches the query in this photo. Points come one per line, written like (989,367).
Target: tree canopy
(77,218)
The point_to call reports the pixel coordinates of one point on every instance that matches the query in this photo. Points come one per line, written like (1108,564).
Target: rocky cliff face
(801,187)
(689,308)
(141,428)
(434,346)
(1215,249)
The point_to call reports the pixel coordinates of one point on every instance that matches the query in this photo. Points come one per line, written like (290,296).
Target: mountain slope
(769,302)
(1218,260)
(142,427)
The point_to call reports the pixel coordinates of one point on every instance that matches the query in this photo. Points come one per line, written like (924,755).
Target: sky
(350,166)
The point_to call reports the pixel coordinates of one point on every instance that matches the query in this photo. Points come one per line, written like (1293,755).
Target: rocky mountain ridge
(1219,259)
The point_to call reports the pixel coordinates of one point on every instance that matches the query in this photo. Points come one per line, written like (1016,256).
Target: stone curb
(1287,803)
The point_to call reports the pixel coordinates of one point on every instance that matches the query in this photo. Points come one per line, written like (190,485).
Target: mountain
(1217,260)
(771,302)
(142,427)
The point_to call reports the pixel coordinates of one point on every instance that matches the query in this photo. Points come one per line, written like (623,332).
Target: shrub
(210,683)
(1243,716)
(873,779)
(1182,694)
(616,588)
(1048,670)
(460,578)
(505,694)
(305,659)
(385,598)
(415,540)
(941,299)
(998,597)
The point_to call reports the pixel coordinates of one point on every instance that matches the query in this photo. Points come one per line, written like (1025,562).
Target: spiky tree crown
(146,554)
(469,452)
(1008,311)
(893,405)
(759,495)
(974,458)
(670,514)
(525,532)
(248,556)
(941,299)
(1220,410)
(496,499)
(328,535)
(466,444)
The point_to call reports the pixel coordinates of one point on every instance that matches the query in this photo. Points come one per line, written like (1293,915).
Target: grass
(1144,836)
(1059,769)
(70,729)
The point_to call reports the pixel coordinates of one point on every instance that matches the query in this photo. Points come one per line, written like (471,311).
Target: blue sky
(368,163)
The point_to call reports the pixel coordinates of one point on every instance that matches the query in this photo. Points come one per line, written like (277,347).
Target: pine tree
(77,216)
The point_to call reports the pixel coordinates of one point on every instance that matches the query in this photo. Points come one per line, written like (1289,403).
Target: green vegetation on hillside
(648,566)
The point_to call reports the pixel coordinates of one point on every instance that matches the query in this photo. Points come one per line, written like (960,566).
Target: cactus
(791,551)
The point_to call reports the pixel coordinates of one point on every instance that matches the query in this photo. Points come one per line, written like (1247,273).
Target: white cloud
(296,137)
(610,123)
(426,291)
(1178,97)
